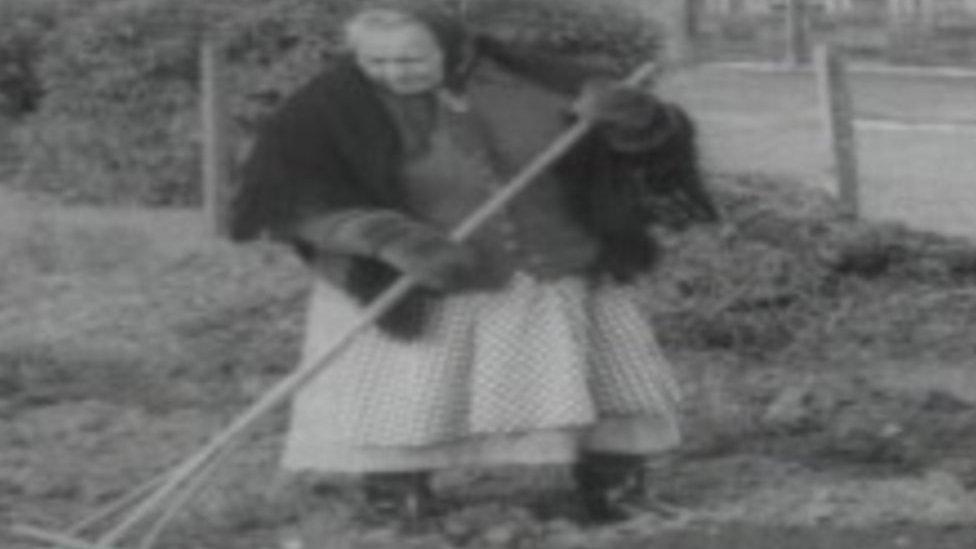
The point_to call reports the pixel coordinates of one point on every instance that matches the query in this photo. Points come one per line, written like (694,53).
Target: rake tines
(155,522)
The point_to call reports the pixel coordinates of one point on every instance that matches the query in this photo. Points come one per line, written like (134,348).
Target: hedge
(118,122)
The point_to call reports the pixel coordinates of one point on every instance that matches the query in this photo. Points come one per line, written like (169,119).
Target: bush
(119,122)
(622,35)
(119,82)
(23,25)
(20,90)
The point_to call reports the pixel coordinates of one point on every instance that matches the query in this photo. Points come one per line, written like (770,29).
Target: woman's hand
(432,261)
(624,114)
(414,248)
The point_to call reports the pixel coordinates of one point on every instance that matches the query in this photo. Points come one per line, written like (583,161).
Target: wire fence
(915,134)
(909,32)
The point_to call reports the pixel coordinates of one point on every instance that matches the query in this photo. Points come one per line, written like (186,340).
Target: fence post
(693,17)
(214,153)
(686,23)
(838,122)
(797,34)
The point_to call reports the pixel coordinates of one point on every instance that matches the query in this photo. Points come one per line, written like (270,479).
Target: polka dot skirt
(536,356)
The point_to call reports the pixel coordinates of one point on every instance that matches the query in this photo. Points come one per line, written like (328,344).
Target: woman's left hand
(615,103)
(624,113)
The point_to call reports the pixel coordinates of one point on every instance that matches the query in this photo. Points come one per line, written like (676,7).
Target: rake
(156,503)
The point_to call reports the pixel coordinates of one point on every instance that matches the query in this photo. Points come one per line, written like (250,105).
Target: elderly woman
(521,346)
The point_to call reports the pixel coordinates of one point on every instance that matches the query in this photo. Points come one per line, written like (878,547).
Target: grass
(157,333)
(112,303)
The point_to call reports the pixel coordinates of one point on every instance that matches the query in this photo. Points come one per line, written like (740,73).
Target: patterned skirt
(530,374)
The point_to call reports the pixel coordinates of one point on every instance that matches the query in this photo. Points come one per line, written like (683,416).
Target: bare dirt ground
(855,431)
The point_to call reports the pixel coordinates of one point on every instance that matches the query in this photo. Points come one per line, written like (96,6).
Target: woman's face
(406,59)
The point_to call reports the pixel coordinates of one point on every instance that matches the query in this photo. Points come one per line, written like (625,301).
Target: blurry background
(828,357)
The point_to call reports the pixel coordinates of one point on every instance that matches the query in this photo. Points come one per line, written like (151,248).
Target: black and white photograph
(487,274)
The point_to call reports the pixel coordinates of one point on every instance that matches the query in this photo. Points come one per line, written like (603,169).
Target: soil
(829,461)
(831,393)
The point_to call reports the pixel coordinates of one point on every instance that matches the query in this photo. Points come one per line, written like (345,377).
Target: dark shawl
(332,146)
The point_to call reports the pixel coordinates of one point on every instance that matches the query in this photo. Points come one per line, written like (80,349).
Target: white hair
(378,19)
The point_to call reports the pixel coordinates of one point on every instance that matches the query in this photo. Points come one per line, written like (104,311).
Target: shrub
(119,82)
(119,121)
(23,25)
(572,27)
(20,89)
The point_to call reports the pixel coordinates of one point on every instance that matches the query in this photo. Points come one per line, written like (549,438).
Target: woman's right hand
(411,246)
(436,263)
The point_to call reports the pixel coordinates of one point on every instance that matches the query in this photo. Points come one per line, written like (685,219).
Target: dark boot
(398,496)
(608,484)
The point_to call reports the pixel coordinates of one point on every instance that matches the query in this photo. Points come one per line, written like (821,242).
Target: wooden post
(693,17)
(797,34)
(684,24)
(214,153)
(838,122)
